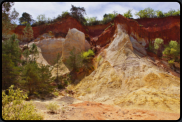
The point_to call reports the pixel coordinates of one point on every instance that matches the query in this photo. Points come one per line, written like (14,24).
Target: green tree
(11,54)
(8,19)
(128,14)
(73,63)
(45,80)
(159,13)
(34,51)
(176,13)
(171,12)
(146,13)
(28,32)
(26,18)
(90,19)
(10,73)
(57,65)
(11,47)
(172,51)
(41,17)
(86,63)
(78,13)
(109,17)
(158,46)
(64,13)
(31,77)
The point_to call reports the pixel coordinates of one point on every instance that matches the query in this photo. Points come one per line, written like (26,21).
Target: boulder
(74,39)
(50,47)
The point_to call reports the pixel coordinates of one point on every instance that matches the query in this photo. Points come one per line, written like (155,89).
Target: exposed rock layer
(125,79)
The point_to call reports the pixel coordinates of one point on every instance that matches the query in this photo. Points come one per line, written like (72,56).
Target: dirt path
(74,109)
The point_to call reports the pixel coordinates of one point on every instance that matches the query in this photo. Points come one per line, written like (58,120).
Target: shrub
(172,51)
(86,55)
(171,61)
(157,43)
(56,93)
(53,107)
(13,107)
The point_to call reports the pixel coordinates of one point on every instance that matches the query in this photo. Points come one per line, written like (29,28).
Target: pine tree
(10,62)
(57,65)
(28,32)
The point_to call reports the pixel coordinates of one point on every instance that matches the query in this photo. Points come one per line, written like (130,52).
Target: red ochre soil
(167,28)
(98,111)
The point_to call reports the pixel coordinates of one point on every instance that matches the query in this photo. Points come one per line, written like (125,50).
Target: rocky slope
(125,74)
(130,81)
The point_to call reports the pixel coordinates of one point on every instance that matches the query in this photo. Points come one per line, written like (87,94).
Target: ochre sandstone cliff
(143,30)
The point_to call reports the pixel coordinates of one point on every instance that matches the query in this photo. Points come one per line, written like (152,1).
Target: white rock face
(137,46)
(74,38)
(87,45)
(50,47)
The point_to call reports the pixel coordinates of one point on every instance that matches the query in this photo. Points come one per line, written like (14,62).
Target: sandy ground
(74,109)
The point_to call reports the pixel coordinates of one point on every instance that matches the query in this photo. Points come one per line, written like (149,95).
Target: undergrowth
(13,107)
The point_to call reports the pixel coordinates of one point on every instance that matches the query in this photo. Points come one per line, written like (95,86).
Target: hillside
(126,75)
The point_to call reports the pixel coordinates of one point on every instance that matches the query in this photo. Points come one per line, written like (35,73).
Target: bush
(157,43)
(13,107)
(53,107)
(56,93)
(172,51)
(88,54)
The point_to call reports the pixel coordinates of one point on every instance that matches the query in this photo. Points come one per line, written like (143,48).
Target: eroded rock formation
(74,39)
(130,81)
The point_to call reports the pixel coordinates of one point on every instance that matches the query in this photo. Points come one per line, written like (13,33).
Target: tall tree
(57,65)
(159,13)
(146,13)
(26,18)
(28,32)
(128,14)
(73,63)
(8,19)
(158,45)
(78,12)
(10,62)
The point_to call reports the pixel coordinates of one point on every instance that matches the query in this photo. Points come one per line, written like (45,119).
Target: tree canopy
(78,12)
(26,18)
(8,18)
(128,14)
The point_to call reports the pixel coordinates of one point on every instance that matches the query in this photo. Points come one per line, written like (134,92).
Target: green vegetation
(28,32)
(75,62)
(13,107)
(86,63)
(146,13)
(25,19)
(53,107)
(78,12)
(57,65)
(8,19)
(172,51)
(158,43)
(109,26)
(159,13)
(128,14)
(10,62)
(150,13)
